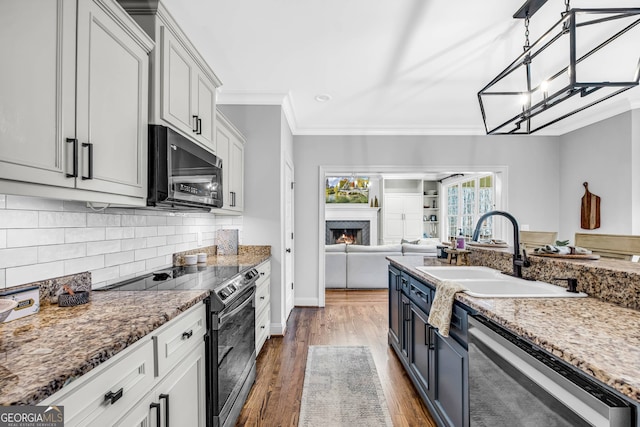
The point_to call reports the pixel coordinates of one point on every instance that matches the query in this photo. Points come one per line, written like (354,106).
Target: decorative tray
(567,256)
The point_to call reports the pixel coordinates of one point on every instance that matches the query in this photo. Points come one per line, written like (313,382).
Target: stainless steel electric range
(230,337)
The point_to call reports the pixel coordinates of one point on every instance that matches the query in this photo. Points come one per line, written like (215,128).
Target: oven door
(512,381)
(235,347)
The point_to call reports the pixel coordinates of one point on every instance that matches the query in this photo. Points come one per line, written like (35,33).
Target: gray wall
(262,127)
(533,174)
(604,154)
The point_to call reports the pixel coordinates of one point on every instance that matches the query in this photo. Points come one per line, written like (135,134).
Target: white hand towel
(442,307)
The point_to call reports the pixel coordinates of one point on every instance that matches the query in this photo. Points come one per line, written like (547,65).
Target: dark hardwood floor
(349,318)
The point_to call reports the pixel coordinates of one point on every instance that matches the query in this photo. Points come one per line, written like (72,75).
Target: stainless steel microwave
(182,175)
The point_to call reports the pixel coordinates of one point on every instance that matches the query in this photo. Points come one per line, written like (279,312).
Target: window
(467,200)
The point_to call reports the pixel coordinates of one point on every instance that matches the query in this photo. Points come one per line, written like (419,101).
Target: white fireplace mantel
(346,212)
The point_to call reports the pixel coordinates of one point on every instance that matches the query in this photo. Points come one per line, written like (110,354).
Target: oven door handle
(239,308)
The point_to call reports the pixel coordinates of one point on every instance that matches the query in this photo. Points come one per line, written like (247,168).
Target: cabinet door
(37,90)
(182,394)
(178,70)
(230,148)
(451,395)
(413,217)
(223,142)
(405,326)
(393,218)
(205,98)
(395,305)
(421,345)
(112,104)
(236,175)
(179,400)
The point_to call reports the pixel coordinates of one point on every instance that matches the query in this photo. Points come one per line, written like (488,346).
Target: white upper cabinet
(37,90)
(230,143)
(183,86)
(73,101)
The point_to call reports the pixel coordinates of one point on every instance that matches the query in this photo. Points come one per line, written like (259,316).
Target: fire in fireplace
(349,232)
(349,236)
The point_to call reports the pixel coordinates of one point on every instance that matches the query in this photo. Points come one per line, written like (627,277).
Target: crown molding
(285,100)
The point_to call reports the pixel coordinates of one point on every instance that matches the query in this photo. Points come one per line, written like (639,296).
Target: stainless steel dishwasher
(514,383)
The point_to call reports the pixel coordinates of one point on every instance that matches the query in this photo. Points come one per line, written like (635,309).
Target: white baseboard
(307,302)
(276,329)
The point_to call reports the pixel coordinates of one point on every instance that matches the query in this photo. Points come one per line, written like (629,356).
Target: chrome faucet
(519,261)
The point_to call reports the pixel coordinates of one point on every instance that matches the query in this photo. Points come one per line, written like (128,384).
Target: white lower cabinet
(179,400)
(133,389)
(262,304)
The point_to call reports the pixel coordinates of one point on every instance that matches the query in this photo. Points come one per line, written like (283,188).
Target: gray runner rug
(342,388)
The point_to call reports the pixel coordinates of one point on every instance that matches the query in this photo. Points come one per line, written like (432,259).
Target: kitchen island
(597,337)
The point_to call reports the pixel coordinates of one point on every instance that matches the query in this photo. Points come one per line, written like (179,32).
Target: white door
(37,90)
(288,233)
(112,114)
(236,176)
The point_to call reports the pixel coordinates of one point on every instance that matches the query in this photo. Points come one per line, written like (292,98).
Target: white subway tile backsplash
(131,268)
(103,274)
(34,237)
(189,237)
(156,241)
(79,265)
(112,233)
(133,220)
(118,258)
(172,240)
(224,221)
(144,254)
(174,220)
(156,220)
(103,220)
(72,235)
(155,263)
(131,244)
(44,238)
(33,203)
(146,231)
(33,273)
(18,219)
(166,250)
(166,230)
(17,257)
(61,252)
(104,247)
(62,219)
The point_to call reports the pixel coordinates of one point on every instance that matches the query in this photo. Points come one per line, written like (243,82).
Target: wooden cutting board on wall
(590,210)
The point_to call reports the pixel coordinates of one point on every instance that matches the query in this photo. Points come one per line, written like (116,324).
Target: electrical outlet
(524,227)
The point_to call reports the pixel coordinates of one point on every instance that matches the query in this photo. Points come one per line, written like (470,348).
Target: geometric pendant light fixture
(587,57)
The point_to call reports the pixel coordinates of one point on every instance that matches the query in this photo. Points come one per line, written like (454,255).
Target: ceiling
(401,67)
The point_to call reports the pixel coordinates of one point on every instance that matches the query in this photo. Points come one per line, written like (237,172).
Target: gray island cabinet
(437,365)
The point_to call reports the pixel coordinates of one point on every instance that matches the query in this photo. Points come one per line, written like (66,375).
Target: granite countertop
(40,353)
(600,338)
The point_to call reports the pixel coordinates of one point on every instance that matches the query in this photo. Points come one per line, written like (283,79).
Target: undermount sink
(484,282)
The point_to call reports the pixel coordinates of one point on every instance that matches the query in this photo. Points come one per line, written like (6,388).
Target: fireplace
(349,232)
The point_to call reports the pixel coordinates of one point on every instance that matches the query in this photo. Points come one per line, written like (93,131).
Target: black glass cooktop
(181,278)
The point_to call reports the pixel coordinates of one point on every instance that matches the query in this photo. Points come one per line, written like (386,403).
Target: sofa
(365,267)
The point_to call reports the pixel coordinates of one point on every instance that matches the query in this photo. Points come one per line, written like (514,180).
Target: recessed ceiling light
(323,97)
